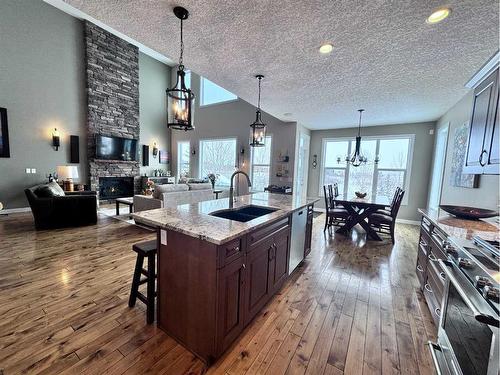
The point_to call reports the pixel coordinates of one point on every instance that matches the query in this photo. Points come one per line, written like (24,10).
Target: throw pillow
(52,189)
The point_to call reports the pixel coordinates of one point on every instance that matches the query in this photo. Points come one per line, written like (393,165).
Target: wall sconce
(155,150)
(56,139)
(315,161)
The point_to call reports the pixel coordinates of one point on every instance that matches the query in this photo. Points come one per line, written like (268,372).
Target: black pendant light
(258,128)
(180,100)
(357,158)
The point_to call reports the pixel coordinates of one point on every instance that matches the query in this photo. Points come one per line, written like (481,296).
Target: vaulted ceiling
(386,58)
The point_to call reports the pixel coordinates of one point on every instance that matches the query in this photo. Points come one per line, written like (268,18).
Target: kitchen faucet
(231,188)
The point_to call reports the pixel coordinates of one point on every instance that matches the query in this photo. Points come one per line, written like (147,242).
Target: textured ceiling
(386,58)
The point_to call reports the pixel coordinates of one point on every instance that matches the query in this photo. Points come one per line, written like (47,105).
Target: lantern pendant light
(258,128)
(357,157)
(180,100)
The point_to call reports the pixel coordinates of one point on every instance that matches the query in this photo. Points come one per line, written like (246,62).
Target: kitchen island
(215,273)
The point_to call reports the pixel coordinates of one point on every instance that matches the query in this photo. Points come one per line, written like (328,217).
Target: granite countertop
(488,229)
(194,219)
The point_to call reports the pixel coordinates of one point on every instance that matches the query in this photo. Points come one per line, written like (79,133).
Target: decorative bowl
(359,194)
(470,213)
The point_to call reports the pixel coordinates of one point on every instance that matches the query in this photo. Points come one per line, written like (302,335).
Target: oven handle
(453,275)
(432,348)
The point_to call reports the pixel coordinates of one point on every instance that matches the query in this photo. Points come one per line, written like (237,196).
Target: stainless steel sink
(243,214)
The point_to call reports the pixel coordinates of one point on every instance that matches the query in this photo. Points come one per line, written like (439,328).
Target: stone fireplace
(112,75)
(116,187)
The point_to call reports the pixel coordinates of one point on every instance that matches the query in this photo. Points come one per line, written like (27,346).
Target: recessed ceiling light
(438,15)
(326,48)
(287,114)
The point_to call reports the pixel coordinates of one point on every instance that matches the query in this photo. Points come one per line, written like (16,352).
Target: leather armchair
(71,210)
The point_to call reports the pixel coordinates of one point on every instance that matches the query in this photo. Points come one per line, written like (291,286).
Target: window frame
(202,79)
(252,164)
(179,158)
(200,158)
(376,169)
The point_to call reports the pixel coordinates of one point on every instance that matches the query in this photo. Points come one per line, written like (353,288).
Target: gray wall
(154,80)
(233,119)
(487,195)
(420,168)
(42,85)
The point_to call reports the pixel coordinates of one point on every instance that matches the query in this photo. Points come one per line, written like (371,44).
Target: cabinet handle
(237,248)
(437,311)
(432,258)
(481,158)
(419,268)
(428,288)
(442,275)
(243,266)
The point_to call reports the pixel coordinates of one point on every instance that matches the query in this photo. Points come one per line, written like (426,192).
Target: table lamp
(67,173)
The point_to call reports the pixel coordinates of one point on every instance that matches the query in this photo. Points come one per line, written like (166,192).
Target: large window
(183,154)
(212,93)
(393,169)
(218,156)
(261,165)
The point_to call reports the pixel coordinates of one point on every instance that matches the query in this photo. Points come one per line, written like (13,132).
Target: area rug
(124,216)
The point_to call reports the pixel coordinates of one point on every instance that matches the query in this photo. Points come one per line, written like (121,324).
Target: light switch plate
(33,170)
(28,170)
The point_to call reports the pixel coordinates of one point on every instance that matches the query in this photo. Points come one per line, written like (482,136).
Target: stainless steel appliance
(468,333)
(297,242)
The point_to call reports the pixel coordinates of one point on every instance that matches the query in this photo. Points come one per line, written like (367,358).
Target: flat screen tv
(115,148)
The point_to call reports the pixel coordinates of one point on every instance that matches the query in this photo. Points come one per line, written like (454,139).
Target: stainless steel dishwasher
(299,221)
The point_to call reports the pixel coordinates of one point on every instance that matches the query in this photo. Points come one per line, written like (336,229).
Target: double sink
(243,214)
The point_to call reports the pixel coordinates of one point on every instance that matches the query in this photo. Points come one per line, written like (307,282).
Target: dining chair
(335,216)
(383,223)
(387,209)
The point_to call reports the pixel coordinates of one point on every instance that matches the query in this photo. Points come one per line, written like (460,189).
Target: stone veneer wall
(112,75)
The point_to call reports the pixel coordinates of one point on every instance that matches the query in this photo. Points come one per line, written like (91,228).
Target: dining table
(359,210)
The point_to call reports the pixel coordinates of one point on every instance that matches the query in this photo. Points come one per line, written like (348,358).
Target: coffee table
(129,201)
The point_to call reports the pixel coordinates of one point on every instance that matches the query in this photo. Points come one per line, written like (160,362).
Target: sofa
(54,208)
(172,195)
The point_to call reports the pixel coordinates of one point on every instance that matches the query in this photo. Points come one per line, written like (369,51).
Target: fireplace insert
(116,187)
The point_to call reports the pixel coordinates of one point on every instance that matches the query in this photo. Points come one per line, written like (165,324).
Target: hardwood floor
(353,308)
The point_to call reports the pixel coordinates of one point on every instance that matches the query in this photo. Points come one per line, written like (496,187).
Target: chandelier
(357,158)
(180,100)
(258,128)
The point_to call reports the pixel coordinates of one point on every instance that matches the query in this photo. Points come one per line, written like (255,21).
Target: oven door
(468,329)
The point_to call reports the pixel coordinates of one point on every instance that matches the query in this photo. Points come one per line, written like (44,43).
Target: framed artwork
(163,157)
(4,134)
(457,177)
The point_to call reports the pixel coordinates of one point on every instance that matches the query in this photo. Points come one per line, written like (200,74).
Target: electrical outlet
(431,131)
(33,170)
(28,170)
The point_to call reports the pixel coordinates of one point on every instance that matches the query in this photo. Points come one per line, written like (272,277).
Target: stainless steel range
(468,334)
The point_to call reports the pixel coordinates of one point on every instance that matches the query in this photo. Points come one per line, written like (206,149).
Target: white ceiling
(387,59)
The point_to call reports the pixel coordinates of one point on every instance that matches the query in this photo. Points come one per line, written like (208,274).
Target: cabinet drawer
(436,280)
(433,304)
(420,271)
(229,252)
(263,234)
(438,237)
(426,225)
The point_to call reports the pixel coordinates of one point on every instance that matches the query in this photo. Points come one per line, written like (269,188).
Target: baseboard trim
(15,210)
(405,221)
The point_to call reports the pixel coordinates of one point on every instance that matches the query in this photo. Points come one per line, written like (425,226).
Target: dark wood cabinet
(482,155)
(278,265)
(430,250)
(258,270)
(208,293)
(230,314)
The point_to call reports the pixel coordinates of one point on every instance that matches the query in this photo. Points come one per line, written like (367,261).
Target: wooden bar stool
(144,249)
